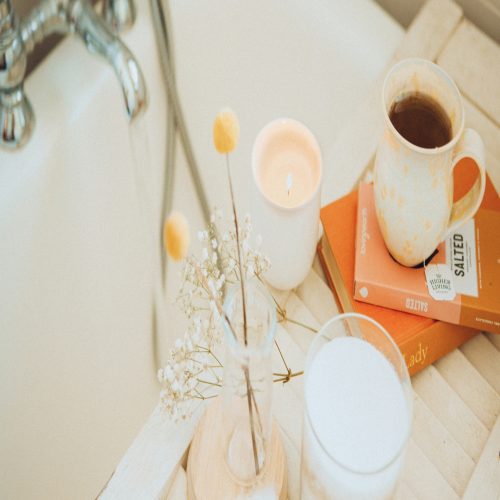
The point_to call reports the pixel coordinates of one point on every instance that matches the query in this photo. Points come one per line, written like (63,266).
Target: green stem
(215,357)
(201,381)
(286,378)
(303,325)
(281,354)
(243,301)
(252,427)
(203,398)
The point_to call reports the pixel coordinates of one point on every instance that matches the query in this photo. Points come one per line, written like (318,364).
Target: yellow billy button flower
(176,236)
(226,131)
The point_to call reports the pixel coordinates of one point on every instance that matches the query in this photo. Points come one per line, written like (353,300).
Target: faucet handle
(16,114)
(5,12)
(119,14)
(16,118)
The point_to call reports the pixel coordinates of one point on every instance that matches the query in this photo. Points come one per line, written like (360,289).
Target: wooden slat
(297,312)
(357,142)
(280,296)
(452,412)
(293,457)
(473,61)
(178,491)
(494,339)
(146,471)
(485,482)
(287,409)
(440,447)
(317,297)
(422,476)
(294,358)
(288,398)
(485,357)
(468,383)
(490,134)
(316,267)
(430,30)
(404,492)
(489,131)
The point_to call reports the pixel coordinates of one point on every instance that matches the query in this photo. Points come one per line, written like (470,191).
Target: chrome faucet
(17,40)
(119,14)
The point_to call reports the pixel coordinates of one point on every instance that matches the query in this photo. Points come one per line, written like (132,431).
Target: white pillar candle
(286,163)
(356,424)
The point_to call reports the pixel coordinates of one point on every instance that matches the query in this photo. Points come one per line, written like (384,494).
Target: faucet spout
(17,40)
(99,39)
(130,76)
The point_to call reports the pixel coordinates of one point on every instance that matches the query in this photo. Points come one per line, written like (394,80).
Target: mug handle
(470,146)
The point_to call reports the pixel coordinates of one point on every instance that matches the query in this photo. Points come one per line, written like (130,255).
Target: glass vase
(247,383)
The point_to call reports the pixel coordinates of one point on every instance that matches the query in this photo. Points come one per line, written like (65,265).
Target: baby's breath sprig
(204,280)
(193,370)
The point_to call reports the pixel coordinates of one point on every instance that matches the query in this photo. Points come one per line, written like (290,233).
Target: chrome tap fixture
(119,14)
(17,40)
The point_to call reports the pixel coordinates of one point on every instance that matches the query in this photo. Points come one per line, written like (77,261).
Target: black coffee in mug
(421,120)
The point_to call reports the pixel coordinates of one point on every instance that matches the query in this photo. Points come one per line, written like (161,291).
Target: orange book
(469,267)
(421,340)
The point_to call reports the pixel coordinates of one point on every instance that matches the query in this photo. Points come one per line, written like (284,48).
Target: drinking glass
(358,411)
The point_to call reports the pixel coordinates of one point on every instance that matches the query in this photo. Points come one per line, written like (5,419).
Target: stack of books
(366,279)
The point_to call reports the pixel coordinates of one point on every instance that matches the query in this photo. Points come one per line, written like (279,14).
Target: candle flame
(289,182)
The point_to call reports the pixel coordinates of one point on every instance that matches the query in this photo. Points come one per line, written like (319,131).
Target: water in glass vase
(247,383)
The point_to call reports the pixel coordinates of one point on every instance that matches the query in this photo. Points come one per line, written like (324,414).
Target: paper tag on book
(439,281)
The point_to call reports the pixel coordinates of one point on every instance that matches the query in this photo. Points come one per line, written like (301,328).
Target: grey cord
(171,148)
(175,123)
(162,25)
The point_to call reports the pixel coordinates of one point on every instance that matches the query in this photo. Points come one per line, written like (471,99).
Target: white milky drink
(357,420)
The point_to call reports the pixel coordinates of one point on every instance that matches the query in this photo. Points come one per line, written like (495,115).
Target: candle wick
(289,182)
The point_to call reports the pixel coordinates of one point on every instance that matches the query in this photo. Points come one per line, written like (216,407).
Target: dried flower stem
(250,413)
(281,355)
(242,283)
(285,377)
(240,265)
(283,314)
(286,319)
(204,398)
(259,420)
(201,381)
(199,395)
(215,357)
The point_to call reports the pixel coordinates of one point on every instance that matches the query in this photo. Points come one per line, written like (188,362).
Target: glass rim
(406,377)
(267,341)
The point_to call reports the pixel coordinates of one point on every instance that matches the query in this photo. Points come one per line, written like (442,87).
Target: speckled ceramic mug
(413,185)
